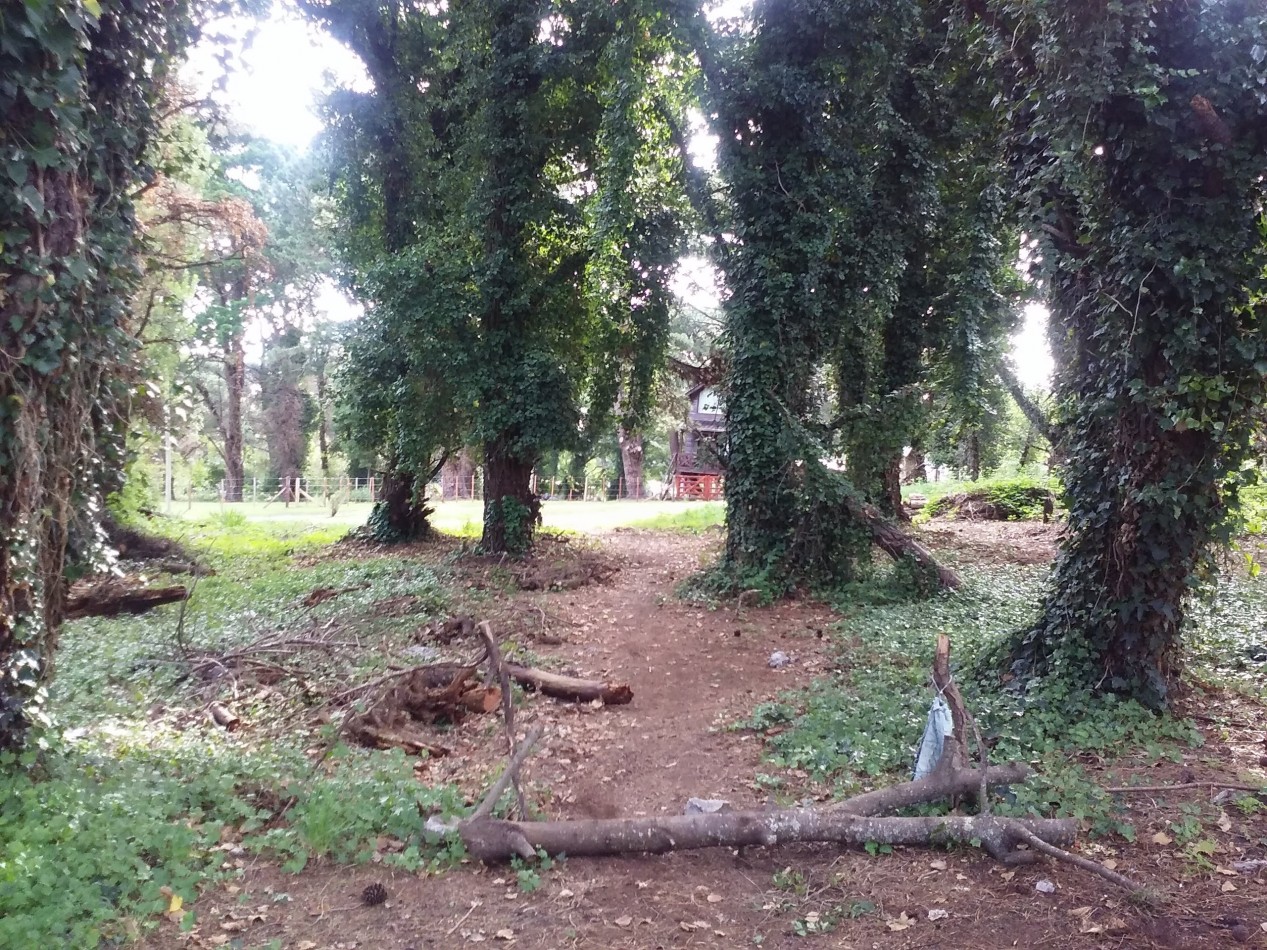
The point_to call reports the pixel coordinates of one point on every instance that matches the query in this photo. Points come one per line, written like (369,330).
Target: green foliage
(865,721)
(527,294)
(1136,141)
(93,826)
(91,836)
(1015,499)
(78,95)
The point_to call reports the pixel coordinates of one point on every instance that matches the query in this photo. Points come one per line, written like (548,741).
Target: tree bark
(231,428)
(632,449)
(569,687)
(490,840)
(896,543)
(1030,409)
(511,511)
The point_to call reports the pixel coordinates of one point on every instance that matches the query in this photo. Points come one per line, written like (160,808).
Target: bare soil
(694,670)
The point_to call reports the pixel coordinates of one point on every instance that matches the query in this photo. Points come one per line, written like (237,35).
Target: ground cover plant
(123,816)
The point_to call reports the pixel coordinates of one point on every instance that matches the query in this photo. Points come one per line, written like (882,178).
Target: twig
(474,904)
(378,681)
(485,808)
(180,619)
(1260,789)
(498,669)
(1038,844)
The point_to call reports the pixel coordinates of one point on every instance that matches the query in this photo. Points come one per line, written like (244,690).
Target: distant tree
(525,292)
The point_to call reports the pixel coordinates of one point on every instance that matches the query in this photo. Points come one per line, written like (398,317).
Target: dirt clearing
(695,670)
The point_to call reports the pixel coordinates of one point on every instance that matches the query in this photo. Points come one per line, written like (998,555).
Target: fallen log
(569,687)
(112,596)
(897,544)
(490,840)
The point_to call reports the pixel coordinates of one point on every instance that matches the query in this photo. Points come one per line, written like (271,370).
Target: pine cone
(373,895)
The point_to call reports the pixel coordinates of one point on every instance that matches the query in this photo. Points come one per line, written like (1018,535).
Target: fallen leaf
(566,893)
(1008,875)
(938,913)
(938,865)
(1225,823)
(624,921)
(306,945)
(505,934)
(1227,887)
(714,898)
(1080,911)
(232,926)
(1162,838)
(901,922)
(1110,864)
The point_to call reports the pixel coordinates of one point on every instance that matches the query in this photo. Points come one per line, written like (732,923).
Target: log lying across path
(490,840)
(856,821)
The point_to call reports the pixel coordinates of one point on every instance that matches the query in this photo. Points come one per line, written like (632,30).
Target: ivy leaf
(94,8)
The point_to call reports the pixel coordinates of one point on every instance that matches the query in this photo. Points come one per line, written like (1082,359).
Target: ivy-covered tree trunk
(400,514)
(76,108)
(511,510)
(1141,155)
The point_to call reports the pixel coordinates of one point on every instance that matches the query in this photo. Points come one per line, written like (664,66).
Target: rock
(779,659)
(1045,887)
(421,654)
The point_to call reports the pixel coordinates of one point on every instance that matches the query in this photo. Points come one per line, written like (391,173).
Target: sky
(290,63)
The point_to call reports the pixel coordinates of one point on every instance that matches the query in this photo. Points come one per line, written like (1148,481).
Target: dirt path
(693,670)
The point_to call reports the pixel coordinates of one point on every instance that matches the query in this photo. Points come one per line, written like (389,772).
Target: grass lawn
(466,517)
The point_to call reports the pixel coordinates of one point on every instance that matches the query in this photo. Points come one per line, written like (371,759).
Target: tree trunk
(231,430)
(915,466)
(323,425)
(893,489)
(399,515)
(972,455)
(632,448)
(490,840)
(511,511)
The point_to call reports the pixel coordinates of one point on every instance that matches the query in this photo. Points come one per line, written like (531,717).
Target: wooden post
(552,488)
(585,491)
(371,484)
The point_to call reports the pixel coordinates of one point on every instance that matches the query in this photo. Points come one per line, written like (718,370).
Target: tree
(486,319)
(78,107)
(1138,144)
(831,166)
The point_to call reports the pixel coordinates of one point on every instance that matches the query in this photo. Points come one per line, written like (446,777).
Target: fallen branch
(112,596)
(490,840)
(569,687)
(485,807)
(897,544)
(497,671)
(1076,860)
(932,788)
